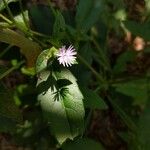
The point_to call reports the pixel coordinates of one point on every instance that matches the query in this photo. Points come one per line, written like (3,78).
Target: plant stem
(9,11)
(5,19)
(5,50)
(101,55)
(127,120)
(11,69)
(97,75)
(24,18)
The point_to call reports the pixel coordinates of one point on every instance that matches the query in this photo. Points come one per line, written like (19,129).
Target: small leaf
(27,47)
(82,144)
(44,58)
(137,89)
(59,24)
(20,21)
(62,107)
(2,5)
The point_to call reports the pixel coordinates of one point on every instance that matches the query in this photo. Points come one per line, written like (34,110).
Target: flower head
(66,56)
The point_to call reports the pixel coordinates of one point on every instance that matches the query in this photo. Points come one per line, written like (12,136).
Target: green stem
(24,18)
(9,11)
(87,121)
(11,69)
(39,34)
(127,120)
(53,10)
(5,50)
(5,19)
(12,18)
(102,55)
(97,75)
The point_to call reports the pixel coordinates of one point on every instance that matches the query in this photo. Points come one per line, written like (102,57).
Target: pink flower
(66,56)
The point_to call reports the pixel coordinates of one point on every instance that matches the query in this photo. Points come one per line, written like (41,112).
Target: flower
(66,56)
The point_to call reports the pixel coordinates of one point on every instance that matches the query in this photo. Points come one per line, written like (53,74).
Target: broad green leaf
(92,100)
(44,58)
(2,5)
(82,144)
(88,13)
(139,29)
(62,105)
(42,18)
(137,89)
(27,47)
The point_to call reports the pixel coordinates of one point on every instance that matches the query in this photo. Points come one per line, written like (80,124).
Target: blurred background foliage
(112,39)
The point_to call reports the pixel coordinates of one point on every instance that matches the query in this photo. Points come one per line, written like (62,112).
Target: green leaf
(92,100)
(44,58)
(62,107)
(27,47)
(20,21)
(137,89)
(9,112)
(143,129)
(2,5)
(82,144)
(7,125)
(59,24)
(7,106)
(123,115)
(88,13)
(122,61)
(147,5)
(28,71)
(42,18)
(139,29)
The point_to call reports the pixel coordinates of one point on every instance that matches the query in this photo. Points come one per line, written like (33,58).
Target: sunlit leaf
(21,22)
(62,107)
(2,5)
